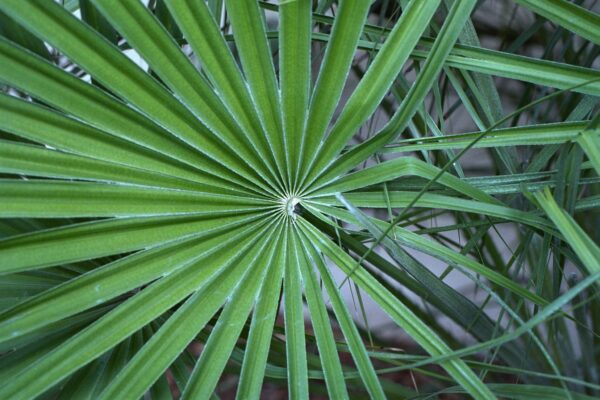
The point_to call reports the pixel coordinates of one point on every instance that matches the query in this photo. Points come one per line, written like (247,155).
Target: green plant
(147,209)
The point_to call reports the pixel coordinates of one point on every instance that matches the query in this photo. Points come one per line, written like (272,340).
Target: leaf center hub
(291,206)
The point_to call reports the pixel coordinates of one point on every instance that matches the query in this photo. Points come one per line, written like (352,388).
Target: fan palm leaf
(191,199)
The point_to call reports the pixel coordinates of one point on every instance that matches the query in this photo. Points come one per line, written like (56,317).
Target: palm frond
(193,191)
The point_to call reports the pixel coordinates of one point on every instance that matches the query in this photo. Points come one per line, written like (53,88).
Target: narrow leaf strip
(95,239)
(52,199)
(25,159)
(568,15)
(295,341)
(533,135)
(512,66)
(294,75)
